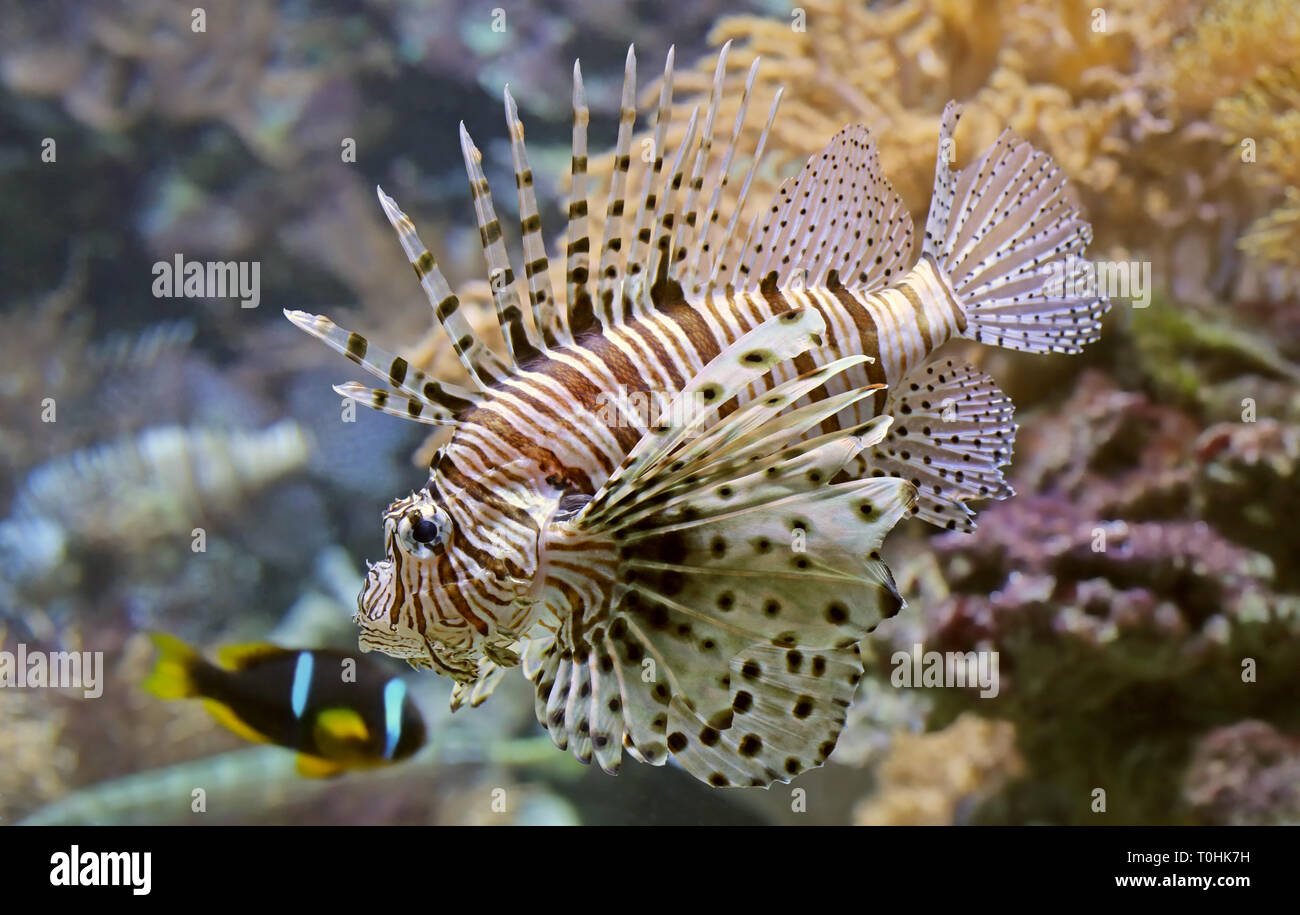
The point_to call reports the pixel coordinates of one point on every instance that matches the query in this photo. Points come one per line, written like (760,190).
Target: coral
(1099,88)
(249,67)
(258,107)
(1246,774)
(1238,62)
(36,762)
(1125,621)
(1248,488)
(1189,353)
(1265,112)
(935,779)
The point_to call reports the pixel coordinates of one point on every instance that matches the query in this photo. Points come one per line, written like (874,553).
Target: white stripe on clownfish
(394,696)
(302,682)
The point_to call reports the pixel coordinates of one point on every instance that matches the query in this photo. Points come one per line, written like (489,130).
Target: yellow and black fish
(339,712)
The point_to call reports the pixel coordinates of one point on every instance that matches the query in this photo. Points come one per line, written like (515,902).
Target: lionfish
(696,583)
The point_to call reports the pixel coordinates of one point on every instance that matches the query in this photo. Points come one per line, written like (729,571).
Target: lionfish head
(444,596)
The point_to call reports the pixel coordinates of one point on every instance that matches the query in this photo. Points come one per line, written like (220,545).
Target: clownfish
(337,711)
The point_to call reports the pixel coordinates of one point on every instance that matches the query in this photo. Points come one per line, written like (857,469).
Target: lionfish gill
(697,586)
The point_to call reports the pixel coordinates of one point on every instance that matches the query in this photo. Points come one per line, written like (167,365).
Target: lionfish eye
(424,530)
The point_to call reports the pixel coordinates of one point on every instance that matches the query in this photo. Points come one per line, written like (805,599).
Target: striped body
(550,412)
(545,429)
(615,487)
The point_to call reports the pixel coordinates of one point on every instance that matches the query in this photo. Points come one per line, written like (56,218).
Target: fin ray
(952,433)
(547,317)
(1009,244)
(710,581)
(483,365)
(521,339)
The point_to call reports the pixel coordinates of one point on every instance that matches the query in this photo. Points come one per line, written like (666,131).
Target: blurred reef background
(1163,670)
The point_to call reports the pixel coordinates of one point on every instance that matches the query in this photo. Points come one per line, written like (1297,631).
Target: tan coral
(1097,88)
(1264,117)
(928,779)
(37,764)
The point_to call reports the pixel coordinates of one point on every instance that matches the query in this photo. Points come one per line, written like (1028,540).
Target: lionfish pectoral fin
(1009,245)
(709,647)
(953,431)
(475,694)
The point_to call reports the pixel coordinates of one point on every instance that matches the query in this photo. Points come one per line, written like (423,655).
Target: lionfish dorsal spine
(686,226)
(638,255)
(411,393)
(717,256)
(666,218)
(521,340)
(610,276)
(578,247)
(548,318)
(483,365)
(744,194)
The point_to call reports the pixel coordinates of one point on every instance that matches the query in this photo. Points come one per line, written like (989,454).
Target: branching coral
(1238,64)
(1098,88)
(1247,774)
(1124,623)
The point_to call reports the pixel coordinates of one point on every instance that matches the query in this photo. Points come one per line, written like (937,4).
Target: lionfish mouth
(376,591)
(386,624)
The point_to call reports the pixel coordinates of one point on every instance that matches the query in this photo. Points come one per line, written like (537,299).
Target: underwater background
(181,464)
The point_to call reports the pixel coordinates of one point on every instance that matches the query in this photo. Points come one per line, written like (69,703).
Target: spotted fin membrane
(740,579)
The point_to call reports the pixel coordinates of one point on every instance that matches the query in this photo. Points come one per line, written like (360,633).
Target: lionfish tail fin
(702,641)
(953,432)
(1009,244)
